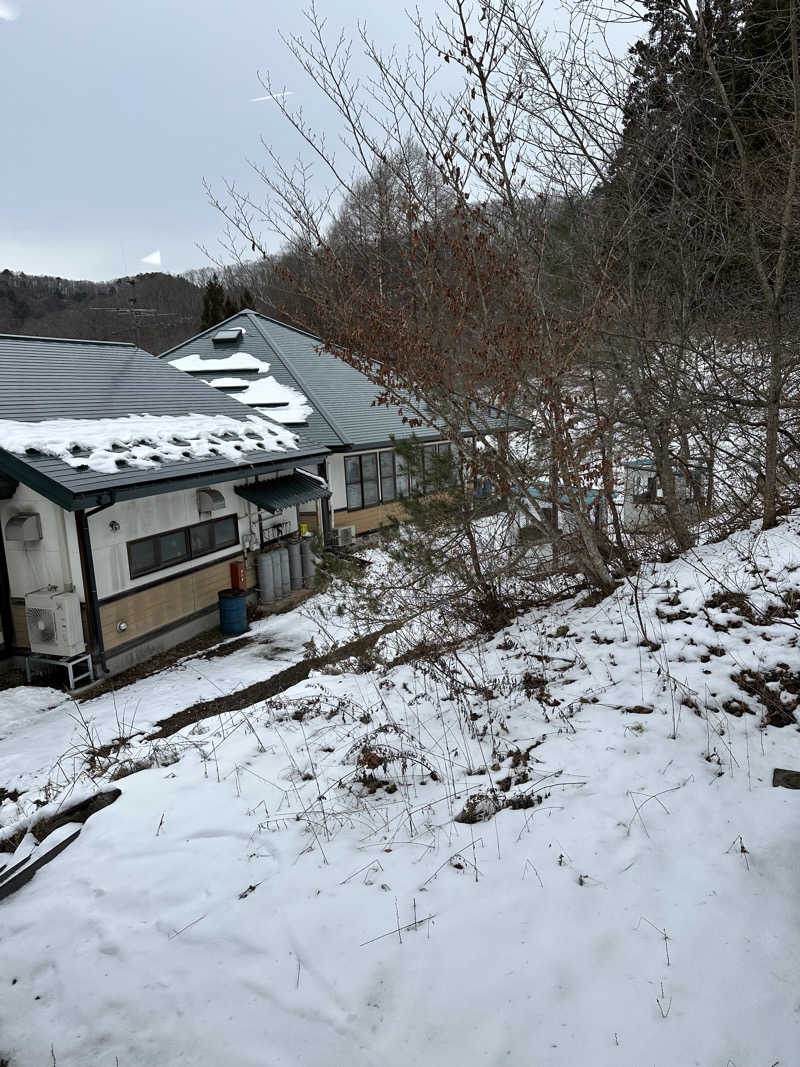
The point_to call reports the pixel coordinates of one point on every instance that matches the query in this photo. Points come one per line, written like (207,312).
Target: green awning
(285,492)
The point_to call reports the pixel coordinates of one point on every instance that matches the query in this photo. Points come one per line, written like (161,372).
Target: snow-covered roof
(233,364)
(344,405)
(83,421)
(143,442)
(286,404)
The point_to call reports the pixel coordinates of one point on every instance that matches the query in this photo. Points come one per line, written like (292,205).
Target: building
(643,503)
(283,373)
(127,488)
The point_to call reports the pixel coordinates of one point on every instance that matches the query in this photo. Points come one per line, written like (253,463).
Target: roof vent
(229,335)
(209,500)
(24,527)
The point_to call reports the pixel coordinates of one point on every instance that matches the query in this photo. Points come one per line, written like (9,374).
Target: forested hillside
(156,309)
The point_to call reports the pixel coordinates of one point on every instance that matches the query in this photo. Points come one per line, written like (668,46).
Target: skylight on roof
(232,333)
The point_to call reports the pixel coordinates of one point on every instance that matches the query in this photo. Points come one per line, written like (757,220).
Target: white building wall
(335,476)
(55,560)
(148,516)
(169,511)
(35,565)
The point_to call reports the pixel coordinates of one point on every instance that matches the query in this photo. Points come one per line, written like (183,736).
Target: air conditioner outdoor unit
(55,627)
(343,535)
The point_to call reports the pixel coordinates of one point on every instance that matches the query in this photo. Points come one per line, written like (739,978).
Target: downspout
(325,509)
(90,581)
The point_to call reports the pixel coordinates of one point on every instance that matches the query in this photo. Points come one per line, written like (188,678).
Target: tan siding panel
(20,626)
(169,602)
(370,519)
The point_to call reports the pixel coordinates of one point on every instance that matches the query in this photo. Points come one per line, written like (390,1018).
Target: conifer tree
(213,303)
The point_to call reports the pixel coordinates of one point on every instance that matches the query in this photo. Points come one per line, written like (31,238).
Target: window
(646,489)
(364,488)
(388,479)
(440,462)
(402,478)
(361,480)
(149,554)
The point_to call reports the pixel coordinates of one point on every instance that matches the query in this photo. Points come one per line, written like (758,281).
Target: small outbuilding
(643,503)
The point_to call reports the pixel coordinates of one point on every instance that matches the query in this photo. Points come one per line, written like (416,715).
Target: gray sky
(114,113)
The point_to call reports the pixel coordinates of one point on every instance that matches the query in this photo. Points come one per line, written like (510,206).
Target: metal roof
(346,413)
(280,493)
(48,378)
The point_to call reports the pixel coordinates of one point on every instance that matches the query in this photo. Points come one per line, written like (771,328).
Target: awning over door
(280,493)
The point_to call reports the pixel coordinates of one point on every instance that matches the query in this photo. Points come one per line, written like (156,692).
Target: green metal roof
(346,413)
(49,378)
(285,492)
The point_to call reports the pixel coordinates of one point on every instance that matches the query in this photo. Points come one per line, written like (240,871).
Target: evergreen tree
(213,303)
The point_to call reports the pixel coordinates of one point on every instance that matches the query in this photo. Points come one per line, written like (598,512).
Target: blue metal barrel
(232,611)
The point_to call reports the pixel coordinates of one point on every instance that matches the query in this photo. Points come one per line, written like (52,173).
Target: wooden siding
(150,609)
(168,602)
(369,519)
(20,625)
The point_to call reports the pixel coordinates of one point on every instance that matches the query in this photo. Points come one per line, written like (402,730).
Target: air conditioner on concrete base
(55,627)
(343,535)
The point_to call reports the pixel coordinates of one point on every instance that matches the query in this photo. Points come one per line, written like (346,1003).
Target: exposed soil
(80,812)
(768,688)
(10,680)
(270,687)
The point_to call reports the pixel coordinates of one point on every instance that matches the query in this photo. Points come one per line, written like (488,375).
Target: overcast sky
(114,113)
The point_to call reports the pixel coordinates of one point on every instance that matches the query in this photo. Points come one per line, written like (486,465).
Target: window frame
(438,448)
(358,457)
(190,553)
(414,480)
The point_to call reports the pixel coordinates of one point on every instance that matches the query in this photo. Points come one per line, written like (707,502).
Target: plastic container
(266,579)
(295,565)
(232,611)
(277,581)
(286,581)
(307,559)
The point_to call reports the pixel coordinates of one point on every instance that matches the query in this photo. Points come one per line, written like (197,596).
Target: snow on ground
(291,886)
(43,731)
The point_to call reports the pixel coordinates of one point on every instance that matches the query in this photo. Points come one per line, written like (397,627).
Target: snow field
(285,892)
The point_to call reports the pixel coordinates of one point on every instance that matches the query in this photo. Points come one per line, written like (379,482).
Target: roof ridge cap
(69,340)
(253,316)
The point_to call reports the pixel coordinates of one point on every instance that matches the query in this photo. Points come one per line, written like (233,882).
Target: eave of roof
(15,467)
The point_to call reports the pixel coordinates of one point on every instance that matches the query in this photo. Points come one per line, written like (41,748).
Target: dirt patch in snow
(269,687)
(777,690)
